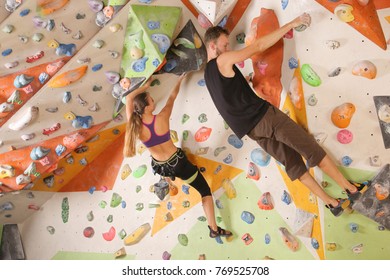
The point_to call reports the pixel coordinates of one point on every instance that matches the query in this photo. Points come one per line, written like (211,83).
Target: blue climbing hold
(228,159)
(97,67)
(260,157)
(235,141)
(247,217)
(286,198)
(185,189)
(267,238)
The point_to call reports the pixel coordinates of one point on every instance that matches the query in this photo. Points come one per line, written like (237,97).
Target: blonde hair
(133,127)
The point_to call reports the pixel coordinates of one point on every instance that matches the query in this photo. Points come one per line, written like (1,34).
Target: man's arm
(228,59)
(130,97)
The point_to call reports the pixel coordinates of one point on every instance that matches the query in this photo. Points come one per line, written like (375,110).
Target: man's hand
(303,19)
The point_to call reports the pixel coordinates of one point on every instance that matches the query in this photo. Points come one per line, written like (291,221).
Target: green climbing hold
(138,188)
(183,239)
(139,206)
(122,234)
(90,216)
(155,82)
(219,219)
(185,42)
(310,76)
(116,199)
(140,171)
(185,135)
(102,204)
(202,219)
(185,118)
(65,216)
(65,204)
(110,218)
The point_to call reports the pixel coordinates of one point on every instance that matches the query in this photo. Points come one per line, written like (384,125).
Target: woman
(167,159)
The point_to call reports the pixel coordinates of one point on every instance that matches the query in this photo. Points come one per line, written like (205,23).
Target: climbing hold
(126,171)
(60,149)
(335,72)
(39,152)
(228,159)
(50,229)
(6,52)
(229,188)
(315,243)
(183,239)
(295,92)
(6,171)
(286,198)
(67,97)
(140,171)
(344,12)
(116,199)
(235,141)
(68,77)
(10,65)
(365,68)
(290,240)
(6,107)
(260,157)
(82,122)
(253,171)
(247,217)
(110,234)
(267,239)
(185,118)
(320,137)
(137,234)
(353,227)
(293,63)
(166,256)
(137,39)
(163,42)
(247,238)
(383,113)
(310,76)
(375,161)
(346,161)
(23,179)
(312,100)
(381,192)
(8,28)
(330,246)
(37,37)
(202,118)
(139,65)
(35,57)
(22,80)
(97,67)
(88,232)
(203,21)
(344,136)
(357,249)
(153,24)
(185,42)
(265,201)
(32,170)
(240,38)
(218,150)
(202,134)
(66,49)
(342,115)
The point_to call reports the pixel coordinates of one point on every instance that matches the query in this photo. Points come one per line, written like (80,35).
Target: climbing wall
(66,185)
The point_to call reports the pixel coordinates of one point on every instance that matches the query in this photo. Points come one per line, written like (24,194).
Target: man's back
(235,100)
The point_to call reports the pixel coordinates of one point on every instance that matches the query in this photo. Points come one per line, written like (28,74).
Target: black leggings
(179,166)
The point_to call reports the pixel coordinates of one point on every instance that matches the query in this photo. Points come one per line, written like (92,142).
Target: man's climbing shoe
(219,232)
(361,188)
(339,209)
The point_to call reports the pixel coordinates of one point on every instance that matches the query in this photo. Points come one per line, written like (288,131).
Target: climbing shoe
(361,188)
(339,209)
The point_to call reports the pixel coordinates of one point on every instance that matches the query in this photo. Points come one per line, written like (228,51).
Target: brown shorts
(287,142)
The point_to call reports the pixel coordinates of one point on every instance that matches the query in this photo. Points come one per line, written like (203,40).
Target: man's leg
(330,168)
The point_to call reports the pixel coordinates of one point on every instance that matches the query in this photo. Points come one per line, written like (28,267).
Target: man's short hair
(213,33)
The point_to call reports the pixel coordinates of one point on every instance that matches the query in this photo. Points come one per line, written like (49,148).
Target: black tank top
(235,100)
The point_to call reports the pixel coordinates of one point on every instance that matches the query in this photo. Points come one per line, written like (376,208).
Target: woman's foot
(219,232)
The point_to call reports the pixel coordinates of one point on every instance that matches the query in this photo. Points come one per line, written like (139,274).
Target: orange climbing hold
(290,240)
(342,115)
(68,77)
(46,7)
(265,202)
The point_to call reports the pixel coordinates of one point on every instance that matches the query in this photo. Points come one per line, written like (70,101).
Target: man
(276,133)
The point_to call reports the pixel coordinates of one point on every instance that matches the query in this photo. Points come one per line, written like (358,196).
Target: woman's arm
(167,110)
(130,97)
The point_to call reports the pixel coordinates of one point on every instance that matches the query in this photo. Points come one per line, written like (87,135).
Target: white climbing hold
(26,119)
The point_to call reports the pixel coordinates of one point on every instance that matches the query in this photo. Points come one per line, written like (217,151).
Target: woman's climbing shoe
(219,232)
(339,209)
(361,188)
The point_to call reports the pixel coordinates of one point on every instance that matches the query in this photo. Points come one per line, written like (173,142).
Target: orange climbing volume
(365,21)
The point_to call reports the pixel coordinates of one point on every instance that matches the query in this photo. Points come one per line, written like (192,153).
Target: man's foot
(361,188)
(219,232)
(339,209)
